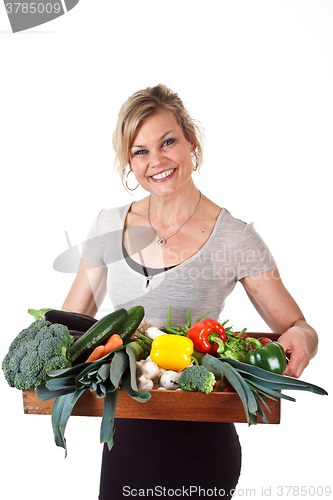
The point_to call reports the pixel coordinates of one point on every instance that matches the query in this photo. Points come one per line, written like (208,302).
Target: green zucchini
(135,316)
(96,335)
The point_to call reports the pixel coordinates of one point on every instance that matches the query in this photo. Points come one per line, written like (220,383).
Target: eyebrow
(160,139)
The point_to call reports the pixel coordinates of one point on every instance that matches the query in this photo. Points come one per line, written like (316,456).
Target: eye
(140,152)
(168,142)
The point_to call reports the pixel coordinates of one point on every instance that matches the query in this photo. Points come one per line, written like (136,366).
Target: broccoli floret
(38,349)
(197,378)
(38,325)
(30,368)
(55,363)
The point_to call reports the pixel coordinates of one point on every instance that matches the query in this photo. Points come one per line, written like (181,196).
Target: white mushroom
(169,380)
(138,366)
(144,383)
(150,370)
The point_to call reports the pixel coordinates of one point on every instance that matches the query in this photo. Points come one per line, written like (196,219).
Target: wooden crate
(163,405)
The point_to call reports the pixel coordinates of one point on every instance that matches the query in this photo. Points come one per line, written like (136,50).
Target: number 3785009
(33,8)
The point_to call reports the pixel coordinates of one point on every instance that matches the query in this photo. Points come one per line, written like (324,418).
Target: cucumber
(96,335)
(135,316)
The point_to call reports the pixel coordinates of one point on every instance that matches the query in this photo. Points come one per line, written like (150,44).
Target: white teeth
(163,174)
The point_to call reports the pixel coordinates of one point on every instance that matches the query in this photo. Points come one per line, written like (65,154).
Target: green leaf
(101,390)
(93,386)
(251,400)
(57,408)
(61,383)
(261,412)
(104,371)
(44,394)
(61,411)
(233,380)
(72,371)
(260,399)
(92,368)
(252,420)
(141,396)
(92,374)
(292,383)
(132,366)
(273,385)
(118,365)
(109,409)
(109,386)
(266,390)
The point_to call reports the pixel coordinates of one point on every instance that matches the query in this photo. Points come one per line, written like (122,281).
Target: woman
(176,247)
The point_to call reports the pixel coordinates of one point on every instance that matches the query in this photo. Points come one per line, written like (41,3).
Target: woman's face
(160,156)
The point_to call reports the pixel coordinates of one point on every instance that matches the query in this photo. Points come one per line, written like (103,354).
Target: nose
(157,158)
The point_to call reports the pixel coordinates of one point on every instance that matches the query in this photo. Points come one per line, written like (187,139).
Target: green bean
(189,320)
(169,316)
(202,316)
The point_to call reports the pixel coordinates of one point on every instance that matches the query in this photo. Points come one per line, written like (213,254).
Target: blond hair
(137,108)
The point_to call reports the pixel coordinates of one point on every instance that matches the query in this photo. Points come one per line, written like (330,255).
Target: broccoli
(38,349)
(197,378)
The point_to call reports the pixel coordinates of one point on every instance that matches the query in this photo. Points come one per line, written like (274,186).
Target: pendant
(160,242)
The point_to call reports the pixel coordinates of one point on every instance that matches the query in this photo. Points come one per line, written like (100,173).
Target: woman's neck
(175,208)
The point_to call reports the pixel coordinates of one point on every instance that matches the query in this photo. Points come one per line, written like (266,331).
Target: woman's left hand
(295,345)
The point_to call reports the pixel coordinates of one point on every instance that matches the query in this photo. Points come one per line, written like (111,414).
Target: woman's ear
(193,147)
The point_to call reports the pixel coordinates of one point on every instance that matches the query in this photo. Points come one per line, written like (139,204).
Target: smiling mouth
(164,174)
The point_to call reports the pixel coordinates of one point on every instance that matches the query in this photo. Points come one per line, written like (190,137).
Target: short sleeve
(91,248)
(253,256)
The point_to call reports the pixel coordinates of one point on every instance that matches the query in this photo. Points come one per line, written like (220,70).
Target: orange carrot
(97,353)
(112,343)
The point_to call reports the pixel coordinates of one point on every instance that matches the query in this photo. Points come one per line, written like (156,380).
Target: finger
(296,365)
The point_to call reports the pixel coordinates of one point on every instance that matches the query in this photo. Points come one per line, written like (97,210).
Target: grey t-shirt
(200,284)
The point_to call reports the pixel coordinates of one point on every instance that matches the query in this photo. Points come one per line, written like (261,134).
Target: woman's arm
(281,313)
(88,290)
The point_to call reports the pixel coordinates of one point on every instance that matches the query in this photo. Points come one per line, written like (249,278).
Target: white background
(259,76)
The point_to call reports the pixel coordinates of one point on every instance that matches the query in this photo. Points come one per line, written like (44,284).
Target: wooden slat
(163,405)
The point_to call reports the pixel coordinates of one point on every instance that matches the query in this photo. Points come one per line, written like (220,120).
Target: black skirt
(163,458)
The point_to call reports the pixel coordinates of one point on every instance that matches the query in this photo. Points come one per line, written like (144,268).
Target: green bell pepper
(271,358)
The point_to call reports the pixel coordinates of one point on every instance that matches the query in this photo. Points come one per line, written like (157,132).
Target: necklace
(162,241)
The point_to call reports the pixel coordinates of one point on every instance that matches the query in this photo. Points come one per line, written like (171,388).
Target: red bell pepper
(208,336)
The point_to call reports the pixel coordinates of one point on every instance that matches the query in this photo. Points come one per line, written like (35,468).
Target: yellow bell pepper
(172,352)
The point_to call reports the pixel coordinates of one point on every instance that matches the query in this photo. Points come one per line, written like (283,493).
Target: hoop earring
(195,161)
(130,189)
